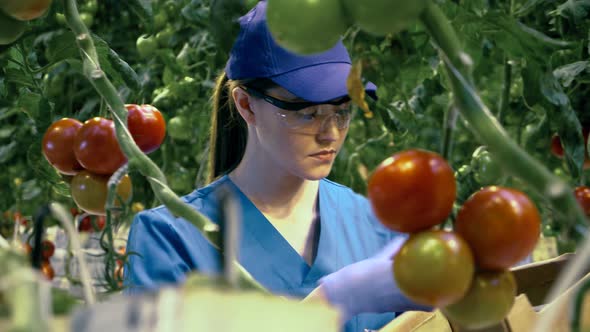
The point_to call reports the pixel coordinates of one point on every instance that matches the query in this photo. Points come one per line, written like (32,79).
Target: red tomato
(487,303)
(582,194)
(89,191)
(47,249)
(47,269)
(58,145)
(74,212)
(556,147)
(501,225)
(147,126)
(434,268)
(412,191)
(92,224)
(96,146)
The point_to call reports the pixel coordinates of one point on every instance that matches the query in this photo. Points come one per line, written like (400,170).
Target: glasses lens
(312,119)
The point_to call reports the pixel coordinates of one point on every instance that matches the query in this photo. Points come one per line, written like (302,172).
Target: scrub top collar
(263,242)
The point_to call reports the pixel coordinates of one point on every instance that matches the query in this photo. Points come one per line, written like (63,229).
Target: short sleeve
(154,258)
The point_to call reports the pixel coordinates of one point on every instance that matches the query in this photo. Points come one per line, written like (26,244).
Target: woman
(279,120)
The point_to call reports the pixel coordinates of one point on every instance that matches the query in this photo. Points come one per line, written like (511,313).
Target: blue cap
(316,78)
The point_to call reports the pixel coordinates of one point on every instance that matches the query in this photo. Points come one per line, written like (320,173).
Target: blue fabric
(316,78)
(168,247)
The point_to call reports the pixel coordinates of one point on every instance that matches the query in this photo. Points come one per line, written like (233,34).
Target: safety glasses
(308,116)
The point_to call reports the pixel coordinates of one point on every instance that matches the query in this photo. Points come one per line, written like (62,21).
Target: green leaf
(128,74)
(573,10)
(552,90)
(530,6)
(566,74)
(30,103)
(61,47)
(30,189)
(223,21)
(19,77)
(6,132)
(8,151)
(520,40)
(143,10)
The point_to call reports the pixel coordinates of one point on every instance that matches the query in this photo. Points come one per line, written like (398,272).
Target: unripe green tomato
(306,26)
(381,17)
(160,20)
(10,29)
(487,302)
(61,19)
(87,19)
(487,171)
(164,37)
(146,46)
(179,128)
(90,6)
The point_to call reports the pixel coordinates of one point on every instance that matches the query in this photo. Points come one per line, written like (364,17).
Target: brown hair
(228,131)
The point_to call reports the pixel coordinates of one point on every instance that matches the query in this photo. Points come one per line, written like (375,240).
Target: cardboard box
(534,281)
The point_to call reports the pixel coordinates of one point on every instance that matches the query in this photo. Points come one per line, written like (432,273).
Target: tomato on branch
(487,302)
(96,146)
(89,191)
(501,225)
(412,191)
(381,17)
(58,145)
(146,125)
(434,268)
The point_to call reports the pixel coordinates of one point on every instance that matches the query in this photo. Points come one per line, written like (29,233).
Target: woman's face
(303,143)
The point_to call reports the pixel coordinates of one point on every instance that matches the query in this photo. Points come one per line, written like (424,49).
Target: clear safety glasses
(308,117)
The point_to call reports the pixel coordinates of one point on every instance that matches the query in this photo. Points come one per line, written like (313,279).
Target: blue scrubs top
(170,247)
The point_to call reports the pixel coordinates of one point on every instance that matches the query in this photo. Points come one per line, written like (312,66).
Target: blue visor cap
(316,78)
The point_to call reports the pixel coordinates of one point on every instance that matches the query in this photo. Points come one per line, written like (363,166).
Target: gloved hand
(368,285)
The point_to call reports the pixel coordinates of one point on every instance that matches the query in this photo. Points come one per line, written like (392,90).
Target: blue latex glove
(368,285)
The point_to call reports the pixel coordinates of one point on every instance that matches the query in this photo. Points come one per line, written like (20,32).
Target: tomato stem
(513,158)
(137,159)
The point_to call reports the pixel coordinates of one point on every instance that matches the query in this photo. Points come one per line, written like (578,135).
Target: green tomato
(164,37)
(186,89)
(90,6)
(87,19)
(10,29)
(180,179)
(487,170)
(179,128)
(382,17)
(487,303)
(306,26)
(146,46)
(160,20)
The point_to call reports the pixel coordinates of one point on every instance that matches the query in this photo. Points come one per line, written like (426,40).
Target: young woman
(279,120)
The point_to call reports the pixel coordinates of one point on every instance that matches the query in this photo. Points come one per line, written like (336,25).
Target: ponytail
(228,131)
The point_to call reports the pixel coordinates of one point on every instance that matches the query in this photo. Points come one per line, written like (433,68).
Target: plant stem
(135,156)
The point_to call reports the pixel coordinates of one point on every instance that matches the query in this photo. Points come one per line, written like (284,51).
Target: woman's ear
(243,104)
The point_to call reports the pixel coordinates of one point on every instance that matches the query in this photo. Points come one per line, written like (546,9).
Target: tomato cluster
(463,271)
(323,22)
(90,152)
